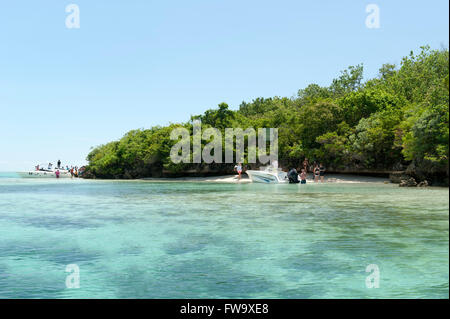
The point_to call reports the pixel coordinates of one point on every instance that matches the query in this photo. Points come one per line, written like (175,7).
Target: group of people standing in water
(318,170)
(73,170)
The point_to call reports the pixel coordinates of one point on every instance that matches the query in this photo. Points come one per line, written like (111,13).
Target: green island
(395,123)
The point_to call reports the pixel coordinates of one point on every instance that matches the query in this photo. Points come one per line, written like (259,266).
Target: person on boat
(50,166)
(57,173)
(71,171)
(37,167)
(238,168)
(59,163)
(322,172)
(316,173)
(293,176)
(303,176)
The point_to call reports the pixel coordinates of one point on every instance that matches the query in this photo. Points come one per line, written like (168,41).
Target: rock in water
(423,184)
(410,182)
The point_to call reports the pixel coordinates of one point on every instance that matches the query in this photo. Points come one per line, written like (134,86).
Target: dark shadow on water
(198,278)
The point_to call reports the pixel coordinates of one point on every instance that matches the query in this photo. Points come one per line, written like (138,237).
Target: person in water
(322,172)
(57,173)
(293,176)
(303,176)
(316,173)
(305,165)
(81,171)
(238,168)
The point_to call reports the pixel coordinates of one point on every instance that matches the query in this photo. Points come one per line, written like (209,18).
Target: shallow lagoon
(141,239)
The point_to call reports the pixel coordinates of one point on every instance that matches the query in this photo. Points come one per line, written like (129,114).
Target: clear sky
(135,64)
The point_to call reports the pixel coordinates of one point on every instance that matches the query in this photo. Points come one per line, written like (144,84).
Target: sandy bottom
(331,178)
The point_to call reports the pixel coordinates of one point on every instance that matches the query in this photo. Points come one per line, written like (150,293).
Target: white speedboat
(268,174)
(44,174)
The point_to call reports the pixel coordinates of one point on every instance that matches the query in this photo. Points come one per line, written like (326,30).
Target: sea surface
(141,239)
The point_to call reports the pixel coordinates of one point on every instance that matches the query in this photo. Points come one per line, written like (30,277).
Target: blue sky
(135,64)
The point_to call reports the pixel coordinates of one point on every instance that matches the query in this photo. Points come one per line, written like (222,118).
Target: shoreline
(233,179)
(331,178)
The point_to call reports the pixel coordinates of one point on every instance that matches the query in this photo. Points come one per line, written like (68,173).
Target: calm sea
(140,239)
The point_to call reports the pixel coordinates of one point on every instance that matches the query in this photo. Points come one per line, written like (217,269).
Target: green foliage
(313,93)
(220,118)
(373,142)
(361,104)
(317,119)
(349,81)
(427,134)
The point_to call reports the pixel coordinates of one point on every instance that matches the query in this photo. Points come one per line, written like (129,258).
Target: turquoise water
(139,239)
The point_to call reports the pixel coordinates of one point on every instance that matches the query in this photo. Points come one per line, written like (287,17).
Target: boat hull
(267,177)
(43,174)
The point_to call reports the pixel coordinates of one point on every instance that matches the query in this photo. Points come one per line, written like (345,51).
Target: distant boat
(45,174)
(268,175)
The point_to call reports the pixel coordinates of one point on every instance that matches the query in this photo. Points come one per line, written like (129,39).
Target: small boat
(268,174)
(45,174)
